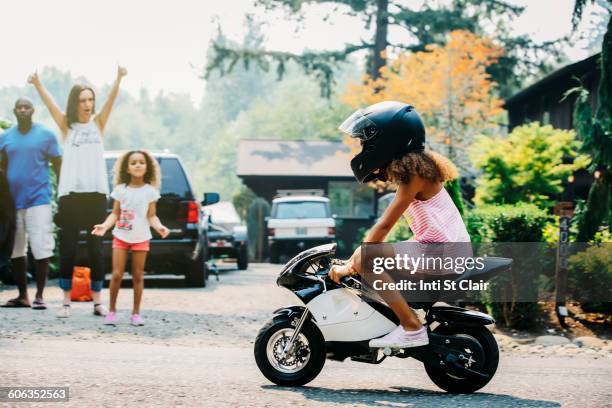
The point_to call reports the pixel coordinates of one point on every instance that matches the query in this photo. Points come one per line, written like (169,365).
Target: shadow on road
(409,397)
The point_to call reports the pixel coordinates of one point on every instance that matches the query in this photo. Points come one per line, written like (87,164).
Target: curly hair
(152,175)
(428,164)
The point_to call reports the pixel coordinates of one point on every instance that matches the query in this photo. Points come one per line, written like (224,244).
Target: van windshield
(302,209)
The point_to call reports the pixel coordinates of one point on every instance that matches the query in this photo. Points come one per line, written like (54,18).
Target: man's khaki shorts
(34,224)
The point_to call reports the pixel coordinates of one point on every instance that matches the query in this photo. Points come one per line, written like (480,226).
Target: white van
(297,223)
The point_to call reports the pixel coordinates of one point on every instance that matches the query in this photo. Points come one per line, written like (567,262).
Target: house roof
(575,69)
(298,158)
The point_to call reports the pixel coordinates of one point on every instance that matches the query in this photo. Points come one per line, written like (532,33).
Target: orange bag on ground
(81,284)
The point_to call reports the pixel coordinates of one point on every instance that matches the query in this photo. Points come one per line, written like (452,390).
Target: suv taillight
(331,230)
(192,213)
(271,232)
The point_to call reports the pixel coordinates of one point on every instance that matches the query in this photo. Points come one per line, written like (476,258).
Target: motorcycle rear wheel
(299,367)
(455,384)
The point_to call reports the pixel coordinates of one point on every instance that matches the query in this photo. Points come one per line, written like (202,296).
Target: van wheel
(196,273)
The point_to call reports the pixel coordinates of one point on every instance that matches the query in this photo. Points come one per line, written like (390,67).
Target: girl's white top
(83,166)
(133,225)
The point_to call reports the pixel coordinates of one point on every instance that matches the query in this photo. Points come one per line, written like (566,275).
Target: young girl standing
(392,137)
(137,178)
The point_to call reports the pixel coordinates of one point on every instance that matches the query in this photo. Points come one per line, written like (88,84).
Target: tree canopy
(422,25)
(449,85)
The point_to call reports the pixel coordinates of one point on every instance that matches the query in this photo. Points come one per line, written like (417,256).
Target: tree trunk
(379,59)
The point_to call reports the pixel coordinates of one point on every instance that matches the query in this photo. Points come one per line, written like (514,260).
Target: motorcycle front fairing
(306,286)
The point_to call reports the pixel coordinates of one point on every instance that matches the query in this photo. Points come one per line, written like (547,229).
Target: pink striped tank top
(437,220)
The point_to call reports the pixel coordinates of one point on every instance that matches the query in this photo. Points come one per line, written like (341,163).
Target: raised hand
(99,230)
(33,78)
(121,72)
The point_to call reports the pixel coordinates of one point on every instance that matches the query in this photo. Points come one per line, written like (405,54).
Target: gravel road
(196,350)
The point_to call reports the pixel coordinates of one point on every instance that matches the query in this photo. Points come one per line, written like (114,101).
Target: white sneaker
(64,312)
(400,338)
(100,310)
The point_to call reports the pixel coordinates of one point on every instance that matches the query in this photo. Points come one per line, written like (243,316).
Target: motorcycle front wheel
(484,361)
(301,364)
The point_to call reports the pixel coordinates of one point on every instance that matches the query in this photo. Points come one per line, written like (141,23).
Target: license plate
(220,243)
(300,231)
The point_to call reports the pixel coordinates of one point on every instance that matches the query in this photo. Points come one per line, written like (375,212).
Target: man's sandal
(17,302)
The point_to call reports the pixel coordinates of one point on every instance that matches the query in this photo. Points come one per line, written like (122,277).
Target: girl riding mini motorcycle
(338,319)
(392,137)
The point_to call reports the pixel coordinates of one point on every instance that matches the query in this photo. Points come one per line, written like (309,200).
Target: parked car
(227,236)
(299,222)
(224,244)
(223,214)
(185,250)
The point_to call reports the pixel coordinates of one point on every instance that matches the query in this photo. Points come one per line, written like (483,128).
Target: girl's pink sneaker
(136,320)
(110,318)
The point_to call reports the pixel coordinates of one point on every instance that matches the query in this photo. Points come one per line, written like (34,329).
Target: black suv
(185,250)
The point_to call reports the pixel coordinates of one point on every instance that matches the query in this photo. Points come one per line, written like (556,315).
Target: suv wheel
(197,272)
(243,258)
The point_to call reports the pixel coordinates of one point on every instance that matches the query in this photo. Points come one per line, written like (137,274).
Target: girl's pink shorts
(134,246)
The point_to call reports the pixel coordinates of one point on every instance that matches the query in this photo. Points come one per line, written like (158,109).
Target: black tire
(456,385)
(312,368)
(243,258)
(196,273)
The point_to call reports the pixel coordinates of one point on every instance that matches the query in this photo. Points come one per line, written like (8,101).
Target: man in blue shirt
(27,149)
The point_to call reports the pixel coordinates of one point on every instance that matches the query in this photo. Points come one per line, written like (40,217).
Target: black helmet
(387,131)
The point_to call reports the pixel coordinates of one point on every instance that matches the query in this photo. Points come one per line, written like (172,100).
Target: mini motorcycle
(338,320)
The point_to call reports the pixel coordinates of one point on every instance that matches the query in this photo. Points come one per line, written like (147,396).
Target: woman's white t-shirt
(133,224)
(83,166)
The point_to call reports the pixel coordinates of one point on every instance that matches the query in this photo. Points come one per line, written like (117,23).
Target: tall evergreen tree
(595,130)
(424,25)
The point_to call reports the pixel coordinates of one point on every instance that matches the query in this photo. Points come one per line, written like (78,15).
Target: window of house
(350,199)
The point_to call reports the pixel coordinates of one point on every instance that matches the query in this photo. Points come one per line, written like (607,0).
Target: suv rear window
(301,209)
(174,181)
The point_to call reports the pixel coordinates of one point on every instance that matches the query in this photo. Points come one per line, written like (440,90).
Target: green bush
(242,200)
(510,223)
(400,232)
(5,124)
(507,223)
(453,188)
(590,278)
(527,165)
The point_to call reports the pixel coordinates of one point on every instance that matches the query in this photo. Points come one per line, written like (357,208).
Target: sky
(163,43)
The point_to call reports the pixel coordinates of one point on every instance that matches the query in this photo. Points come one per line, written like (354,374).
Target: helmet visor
(359,126)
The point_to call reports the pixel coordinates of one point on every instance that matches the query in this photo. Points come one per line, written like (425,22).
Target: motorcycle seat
(493,265)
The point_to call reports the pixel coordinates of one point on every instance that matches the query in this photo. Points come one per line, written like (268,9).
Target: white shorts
(34,224)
